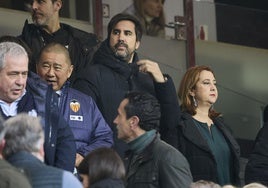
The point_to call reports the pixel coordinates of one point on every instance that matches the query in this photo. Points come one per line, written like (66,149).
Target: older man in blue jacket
(81,112)
(21,91)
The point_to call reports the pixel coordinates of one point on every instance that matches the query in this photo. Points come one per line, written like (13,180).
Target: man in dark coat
(150,162)
(46,28)
(116,70)
(257,166)
(21,91)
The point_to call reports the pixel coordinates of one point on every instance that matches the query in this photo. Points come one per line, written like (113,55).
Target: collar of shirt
(11,109)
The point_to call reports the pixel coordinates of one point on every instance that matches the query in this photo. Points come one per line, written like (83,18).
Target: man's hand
(148,66)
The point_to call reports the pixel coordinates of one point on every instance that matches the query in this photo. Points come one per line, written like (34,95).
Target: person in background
(104,168)
(10,177)
(47,28)
(24,149)
(254,185)
(24,91)
(79,110)
(116,70)
(257,167)
(150,162)
(151,15)
(211,150)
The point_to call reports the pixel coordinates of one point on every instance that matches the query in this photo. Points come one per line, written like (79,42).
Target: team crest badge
(74,105)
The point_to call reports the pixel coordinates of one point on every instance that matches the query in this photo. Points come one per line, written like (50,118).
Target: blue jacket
(59,143)
(86,121)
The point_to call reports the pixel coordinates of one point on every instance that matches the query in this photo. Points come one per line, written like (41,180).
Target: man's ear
(70,70)
(137,45)
(134,121)
(58,5)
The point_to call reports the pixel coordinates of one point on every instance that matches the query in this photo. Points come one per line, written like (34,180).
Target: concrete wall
(241,74)
(204,14)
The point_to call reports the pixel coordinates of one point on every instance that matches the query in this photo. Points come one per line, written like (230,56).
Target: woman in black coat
(211,150)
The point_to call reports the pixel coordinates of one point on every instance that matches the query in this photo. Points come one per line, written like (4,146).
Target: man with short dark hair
(46,28)
(116,70)
(151,162)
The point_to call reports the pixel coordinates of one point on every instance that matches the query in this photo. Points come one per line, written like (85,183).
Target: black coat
(108,80)
(257,166)
(197,151)
(158,165)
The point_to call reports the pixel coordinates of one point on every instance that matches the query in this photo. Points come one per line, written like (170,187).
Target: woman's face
(205,91)
(153,8)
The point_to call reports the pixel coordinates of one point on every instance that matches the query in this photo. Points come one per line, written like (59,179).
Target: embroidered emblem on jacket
(74,105)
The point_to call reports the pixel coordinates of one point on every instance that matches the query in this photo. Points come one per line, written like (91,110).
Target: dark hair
(145,107)
(123,16)
(56,48)
(102,163)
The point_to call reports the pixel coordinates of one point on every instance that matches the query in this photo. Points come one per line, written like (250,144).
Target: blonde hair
(204,184)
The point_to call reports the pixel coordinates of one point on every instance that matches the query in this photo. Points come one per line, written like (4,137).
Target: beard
(125,55)
(38,19)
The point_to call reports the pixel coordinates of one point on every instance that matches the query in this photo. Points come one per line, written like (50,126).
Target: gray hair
(11,49)
(23,133)
(204,184)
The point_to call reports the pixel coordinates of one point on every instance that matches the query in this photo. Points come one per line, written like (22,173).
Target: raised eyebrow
(116,30)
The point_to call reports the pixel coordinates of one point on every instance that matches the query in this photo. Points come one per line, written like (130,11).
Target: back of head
(254,185)
(122,17)
(10,49)
(145,107)
(23,133)
(102,163)
(204,184)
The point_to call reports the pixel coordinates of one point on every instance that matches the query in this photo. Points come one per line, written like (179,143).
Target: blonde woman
(151,15)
